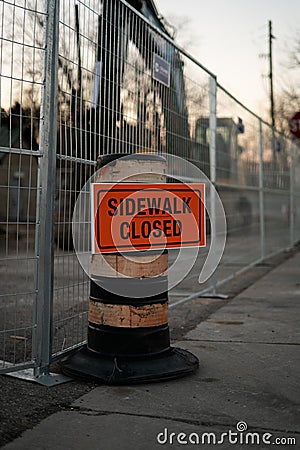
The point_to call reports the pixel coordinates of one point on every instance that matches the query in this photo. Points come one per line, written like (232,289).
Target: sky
(230,38)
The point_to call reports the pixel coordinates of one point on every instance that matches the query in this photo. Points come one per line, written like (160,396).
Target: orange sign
(143,216)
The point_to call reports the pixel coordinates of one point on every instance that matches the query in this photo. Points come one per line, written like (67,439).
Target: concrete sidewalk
(249,373)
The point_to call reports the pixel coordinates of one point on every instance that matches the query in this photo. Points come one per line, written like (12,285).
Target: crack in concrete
(91,412)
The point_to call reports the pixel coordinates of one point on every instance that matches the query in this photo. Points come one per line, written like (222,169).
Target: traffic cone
(128,337)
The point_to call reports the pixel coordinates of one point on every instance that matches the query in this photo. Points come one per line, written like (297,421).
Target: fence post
(47,188)
(212,161)
(213,174)
(213,132)
(261,193)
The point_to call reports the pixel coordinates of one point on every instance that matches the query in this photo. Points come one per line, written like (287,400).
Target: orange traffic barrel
(128,334)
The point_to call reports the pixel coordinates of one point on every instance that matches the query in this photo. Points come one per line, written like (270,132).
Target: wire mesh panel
(77,149)
(237,178)
(21,61)
(276,183)
(277,221)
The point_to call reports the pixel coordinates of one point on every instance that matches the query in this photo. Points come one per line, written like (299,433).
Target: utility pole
(271,37)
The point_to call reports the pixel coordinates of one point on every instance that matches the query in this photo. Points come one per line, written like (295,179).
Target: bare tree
(288,100)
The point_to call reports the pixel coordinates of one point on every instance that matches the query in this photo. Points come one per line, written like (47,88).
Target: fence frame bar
(213,87)
(47,186)
(261,194)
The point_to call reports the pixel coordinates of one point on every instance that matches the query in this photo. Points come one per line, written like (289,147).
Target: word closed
(143,216)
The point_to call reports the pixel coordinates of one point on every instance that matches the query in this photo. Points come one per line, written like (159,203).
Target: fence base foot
(51,379)
(172,363)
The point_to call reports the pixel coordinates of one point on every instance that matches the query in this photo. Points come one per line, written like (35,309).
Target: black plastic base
(172,363)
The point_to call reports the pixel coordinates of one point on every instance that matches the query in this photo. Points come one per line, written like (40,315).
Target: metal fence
(80,79)
(22,52)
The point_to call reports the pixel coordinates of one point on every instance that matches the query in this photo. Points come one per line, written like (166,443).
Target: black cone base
(172,363)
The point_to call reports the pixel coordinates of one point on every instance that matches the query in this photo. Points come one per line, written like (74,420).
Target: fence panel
(276,184)
(77,150)
(22,51)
